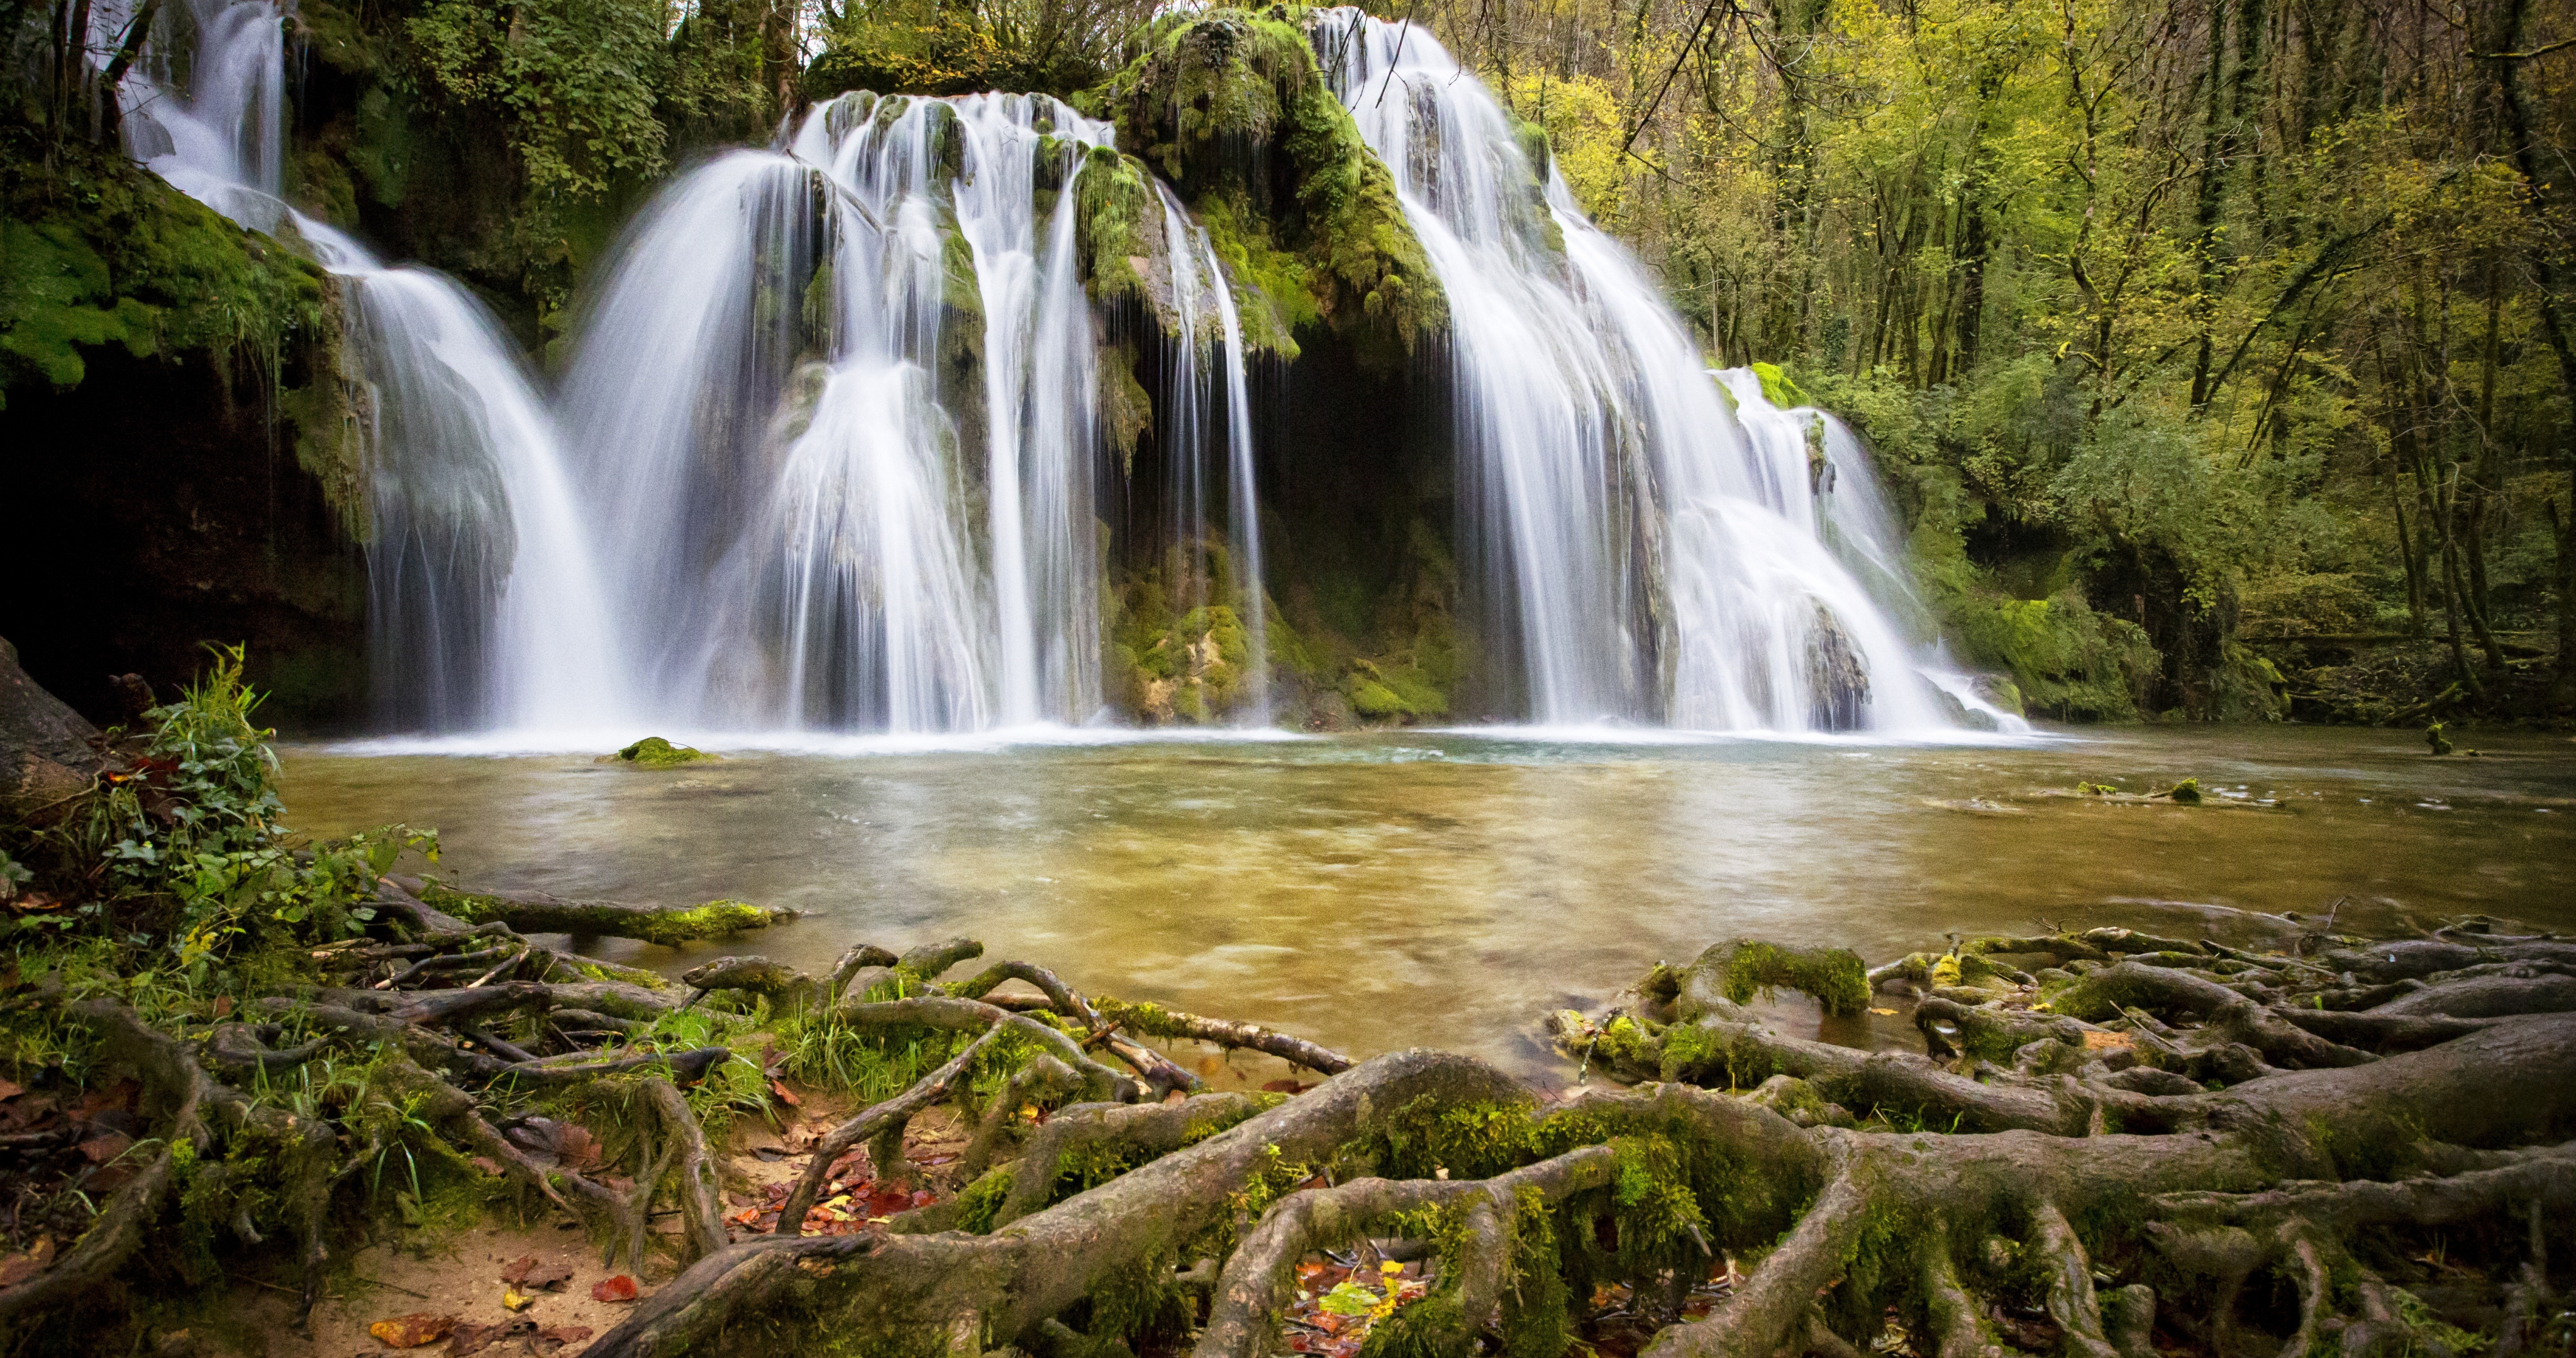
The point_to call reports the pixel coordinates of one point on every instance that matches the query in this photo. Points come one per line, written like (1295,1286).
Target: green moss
(1117,224)
(1433,1326)
(1778,389)
(95,251)
(980,1205)
(1169,664)
(653,752)
(1834,976)
(2065,659)
(2187,792)
(1213,97)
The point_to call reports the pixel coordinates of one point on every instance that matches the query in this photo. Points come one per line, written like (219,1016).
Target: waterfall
(840,401)
(1645,556)
(483,606)
(830,435)
(218,138)
(1206,379)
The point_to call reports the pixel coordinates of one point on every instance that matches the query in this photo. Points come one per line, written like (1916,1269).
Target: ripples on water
(1446,888)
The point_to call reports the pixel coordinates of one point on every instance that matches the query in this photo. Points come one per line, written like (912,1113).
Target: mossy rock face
(1778,389)
(653,752)
(1180,651)
(1232,108)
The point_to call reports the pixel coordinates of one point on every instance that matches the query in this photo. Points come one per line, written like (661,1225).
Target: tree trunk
(2213,169)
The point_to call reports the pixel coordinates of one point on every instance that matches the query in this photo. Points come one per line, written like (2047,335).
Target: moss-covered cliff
(178,452)
(1232,109)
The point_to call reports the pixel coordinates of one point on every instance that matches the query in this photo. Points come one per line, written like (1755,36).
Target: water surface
(1405,889)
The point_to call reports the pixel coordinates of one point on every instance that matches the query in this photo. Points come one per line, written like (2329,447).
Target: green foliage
(573,80)
(940,47)
(184,850)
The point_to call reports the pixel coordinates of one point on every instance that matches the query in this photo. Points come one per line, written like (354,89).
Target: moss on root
(1834,976)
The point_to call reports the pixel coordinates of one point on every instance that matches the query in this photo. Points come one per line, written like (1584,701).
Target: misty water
(1410,888)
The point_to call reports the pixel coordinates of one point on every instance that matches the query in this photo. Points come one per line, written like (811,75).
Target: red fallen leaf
(101,1149)
(18,1268)
(488,1165)
(616,1288)
(885,1202)
(785,1096)
(9,1090)
(1285,1087)
(414,1330)
(223,1006)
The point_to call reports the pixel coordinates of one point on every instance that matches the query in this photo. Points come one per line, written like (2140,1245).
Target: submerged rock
(653,752)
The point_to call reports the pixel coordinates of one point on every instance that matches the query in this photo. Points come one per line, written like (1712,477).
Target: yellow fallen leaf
(517,1300)
(413,1331)
(1882,1011)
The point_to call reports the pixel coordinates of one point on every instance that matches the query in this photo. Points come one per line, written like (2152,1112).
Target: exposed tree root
(2114,1146)
(538,913)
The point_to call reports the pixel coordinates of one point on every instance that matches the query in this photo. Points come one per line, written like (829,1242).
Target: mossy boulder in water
(653,752)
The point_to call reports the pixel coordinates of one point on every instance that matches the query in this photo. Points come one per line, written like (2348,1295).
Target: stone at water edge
(653,752)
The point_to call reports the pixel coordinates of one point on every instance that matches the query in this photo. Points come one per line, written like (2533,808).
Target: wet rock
(46,750)
(1837,678)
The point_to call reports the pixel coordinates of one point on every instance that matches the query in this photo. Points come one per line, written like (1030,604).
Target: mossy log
(538,913)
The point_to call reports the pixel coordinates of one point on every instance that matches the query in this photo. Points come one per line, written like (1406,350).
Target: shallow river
(1446,889)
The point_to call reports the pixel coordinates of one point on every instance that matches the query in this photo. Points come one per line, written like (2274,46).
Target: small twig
(510,961)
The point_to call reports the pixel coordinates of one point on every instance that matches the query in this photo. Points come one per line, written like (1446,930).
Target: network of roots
(2108,1144)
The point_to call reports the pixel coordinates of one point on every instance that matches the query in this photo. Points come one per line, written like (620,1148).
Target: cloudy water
(1429,889)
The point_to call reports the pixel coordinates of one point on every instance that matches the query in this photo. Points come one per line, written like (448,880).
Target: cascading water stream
(220,138)
(484,607)
(1205,367)
(838,417)
(809,371)
(1646,559)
